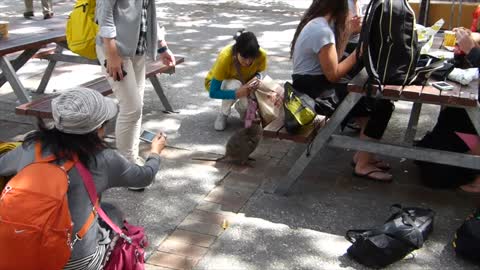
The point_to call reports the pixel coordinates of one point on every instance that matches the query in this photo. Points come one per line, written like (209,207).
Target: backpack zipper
(389,40)
(381,36)
(411,44)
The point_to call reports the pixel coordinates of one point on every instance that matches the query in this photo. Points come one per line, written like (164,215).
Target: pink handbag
(251,112)
(128,252)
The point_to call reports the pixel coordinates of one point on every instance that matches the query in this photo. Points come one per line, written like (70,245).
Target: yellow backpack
(81,29)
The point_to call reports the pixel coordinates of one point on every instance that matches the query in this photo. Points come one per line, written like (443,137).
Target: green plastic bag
(299,109)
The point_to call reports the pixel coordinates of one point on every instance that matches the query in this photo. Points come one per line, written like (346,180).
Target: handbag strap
(92,193)
(236,63)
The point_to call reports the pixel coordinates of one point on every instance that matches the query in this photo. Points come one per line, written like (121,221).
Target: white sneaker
(220,122)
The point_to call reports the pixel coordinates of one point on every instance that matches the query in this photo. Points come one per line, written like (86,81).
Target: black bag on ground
(389,42)
(467,238)
(443,137)
(405,231)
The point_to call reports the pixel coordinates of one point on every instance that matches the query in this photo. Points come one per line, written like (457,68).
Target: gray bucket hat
(82,110)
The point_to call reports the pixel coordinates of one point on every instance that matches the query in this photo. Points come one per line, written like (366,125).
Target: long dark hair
(338,9)
(246,44)
(66,146)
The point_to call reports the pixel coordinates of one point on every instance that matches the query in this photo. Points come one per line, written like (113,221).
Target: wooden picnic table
(30,41)
(462,96)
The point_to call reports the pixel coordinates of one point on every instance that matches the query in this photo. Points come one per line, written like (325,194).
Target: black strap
(353,235)
(364,43)
(407,219)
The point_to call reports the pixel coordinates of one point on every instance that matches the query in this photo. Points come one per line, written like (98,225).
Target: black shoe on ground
(47,16)
(28,14)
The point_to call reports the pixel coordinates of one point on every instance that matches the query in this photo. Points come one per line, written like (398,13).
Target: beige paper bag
(269,97)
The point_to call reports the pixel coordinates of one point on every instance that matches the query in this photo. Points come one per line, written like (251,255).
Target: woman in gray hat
(79,118)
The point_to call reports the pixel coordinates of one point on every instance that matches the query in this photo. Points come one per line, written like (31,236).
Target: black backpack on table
(405,231)
(389,42)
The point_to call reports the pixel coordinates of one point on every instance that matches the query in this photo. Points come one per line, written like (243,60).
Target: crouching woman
(79,118)
(235,65)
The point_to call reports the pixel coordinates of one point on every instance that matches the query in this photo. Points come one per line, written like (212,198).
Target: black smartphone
(124,73)
(147,136)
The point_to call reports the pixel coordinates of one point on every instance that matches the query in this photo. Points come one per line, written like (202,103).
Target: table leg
(474,114)
(424,8)
(412,123)
(459,18)
(320,140)
(159,90)
(48,72)
(452,9)
(18,63)
(12,78)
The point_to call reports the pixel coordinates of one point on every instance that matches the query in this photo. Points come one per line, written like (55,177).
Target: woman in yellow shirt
(224,82)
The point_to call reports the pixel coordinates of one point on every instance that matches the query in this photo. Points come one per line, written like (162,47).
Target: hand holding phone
(157,140)
(116,76)
(147,136)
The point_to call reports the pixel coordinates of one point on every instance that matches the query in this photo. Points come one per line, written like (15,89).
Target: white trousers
(129,92)
(47,6)
(241,104)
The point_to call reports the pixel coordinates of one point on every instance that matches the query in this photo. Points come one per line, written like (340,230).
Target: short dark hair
(65,146)
(246,44)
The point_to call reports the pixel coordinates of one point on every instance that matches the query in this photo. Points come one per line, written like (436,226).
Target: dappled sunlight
(402,105)
(293,24)
(194,110)
(201,74)
(183,84)
(189,23)
(212,148)
(223,38)
(192,63)
(230,26)
(166,125)
(189,172)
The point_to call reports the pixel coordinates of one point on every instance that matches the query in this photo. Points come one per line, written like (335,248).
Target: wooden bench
(276,130)
(42,108)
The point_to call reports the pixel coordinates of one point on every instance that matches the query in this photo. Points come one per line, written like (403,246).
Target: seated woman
(224,82)
(319,41)
(79,118)
(445,135)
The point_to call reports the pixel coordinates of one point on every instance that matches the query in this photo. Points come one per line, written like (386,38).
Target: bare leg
(473,187)
(365,161)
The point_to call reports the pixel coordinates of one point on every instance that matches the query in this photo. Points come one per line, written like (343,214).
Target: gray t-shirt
(314,36)
(110,170)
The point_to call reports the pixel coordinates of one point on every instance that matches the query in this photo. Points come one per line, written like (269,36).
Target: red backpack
(35,222)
